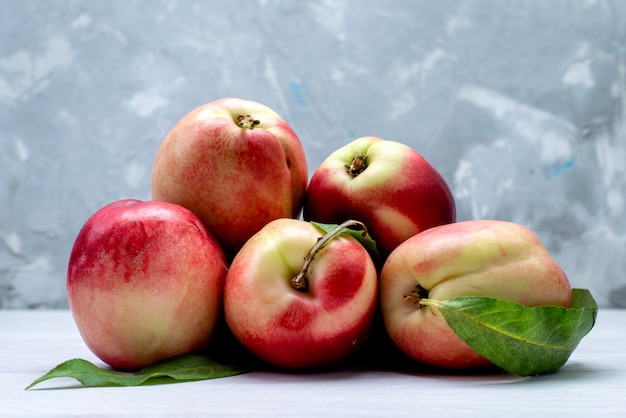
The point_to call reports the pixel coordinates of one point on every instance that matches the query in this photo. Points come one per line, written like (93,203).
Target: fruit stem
(419,297)
(247,121)
(358,165)
(299,281)
(429,302)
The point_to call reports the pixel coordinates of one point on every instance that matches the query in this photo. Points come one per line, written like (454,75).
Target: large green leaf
(522,340)
(187,367)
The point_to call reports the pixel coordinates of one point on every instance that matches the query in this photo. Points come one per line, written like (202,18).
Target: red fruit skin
(290,329)
(144,283)
(235,179)
(398,195)
(491,258)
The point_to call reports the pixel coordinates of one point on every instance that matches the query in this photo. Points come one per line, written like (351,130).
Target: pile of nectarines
(230,233)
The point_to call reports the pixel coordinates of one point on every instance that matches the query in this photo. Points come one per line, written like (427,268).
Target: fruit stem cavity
(299,281)
(418,297)
(358,165)
(247,121)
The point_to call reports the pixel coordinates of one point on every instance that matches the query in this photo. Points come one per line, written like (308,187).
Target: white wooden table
(592,384)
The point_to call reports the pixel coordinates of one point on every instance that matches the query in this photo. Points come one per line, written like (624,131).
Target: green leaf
(365,239)
(521,340)
(186,367)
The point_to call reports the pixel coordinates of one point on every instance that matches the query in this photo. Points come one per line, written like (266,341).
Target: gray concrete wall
(520,104)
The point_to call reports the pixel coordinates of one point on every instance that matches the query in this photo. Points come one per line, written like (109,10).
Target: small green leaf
(364,238)
(521,340)
(186,367)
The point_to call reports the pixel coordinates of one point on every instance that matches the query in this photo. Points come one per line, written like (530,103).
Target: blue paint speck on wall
(560,169)
(296,91)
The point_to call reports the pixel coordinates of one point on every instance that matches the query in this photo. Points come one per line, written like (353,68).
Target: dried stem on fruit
(247,121)
(299,281)
(358,165)
(416,297)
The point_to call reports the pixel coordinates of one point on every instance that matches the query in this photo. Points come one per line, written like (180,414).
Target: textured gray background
(520,104)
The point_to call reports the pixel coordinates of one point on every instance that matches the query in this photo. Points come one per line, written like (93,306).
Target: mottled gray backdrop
(520,104)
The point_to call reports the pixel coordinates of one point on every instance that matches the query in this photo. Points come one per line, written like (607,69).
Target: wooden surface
(591,384)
